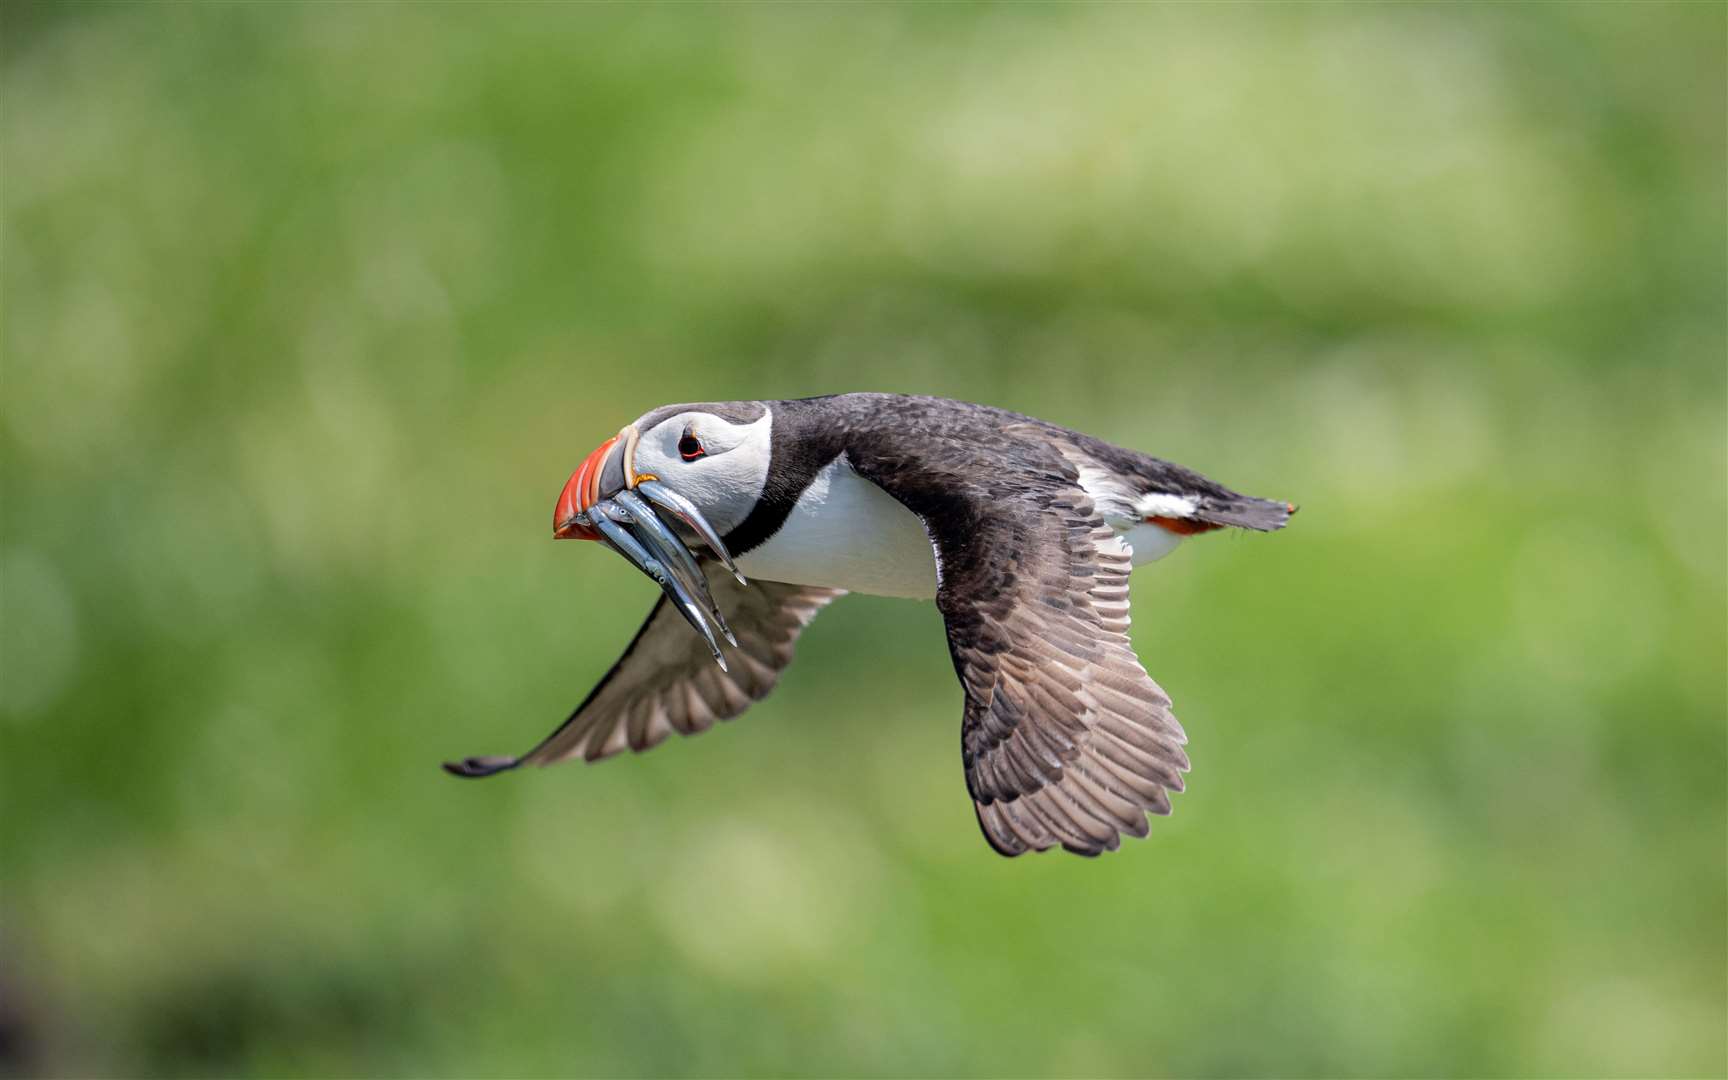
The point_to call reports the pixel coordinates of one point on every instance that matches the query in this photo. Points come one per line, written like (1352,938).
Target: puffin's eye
(690,447)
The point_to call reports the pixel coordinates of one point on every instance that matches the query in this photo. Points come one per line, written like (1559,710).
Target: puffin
(753,516)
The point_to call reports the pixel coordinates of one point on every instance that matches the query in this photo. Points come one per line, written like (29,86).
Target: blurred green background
(310,309)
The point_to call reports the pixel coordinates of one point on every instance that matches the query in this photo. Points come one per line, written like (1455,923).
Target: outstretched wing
(667,681)
(1066,740)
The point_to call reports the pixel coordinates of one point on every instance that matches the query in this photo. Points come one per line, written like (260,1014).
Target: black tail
(1245,512)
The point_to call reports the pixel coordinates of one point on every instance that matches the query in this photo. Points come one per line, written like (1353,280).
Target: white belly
(1150,542)
(847,533)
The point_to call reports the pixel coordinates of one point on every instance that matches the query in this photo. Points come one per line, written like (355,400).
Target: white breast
(847,533)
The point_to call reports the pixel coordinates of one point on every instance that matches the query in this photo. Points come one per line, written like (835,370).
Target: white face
(719,465)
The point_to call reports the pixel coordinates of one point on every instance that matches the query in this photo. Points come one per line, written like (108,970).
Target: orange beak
(602,474)
(581,492)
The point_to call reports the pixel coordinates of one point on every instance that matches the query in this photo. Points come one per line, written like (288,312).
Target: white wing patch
(1126,513)
(1115,502)
(1160,505)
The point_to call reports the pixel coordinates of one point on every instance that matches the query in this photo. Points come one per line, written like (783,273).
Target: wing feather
(667,682)
(1065,739)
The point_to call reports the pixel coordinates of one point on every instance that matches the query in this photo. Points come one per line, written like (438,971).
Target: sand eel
(754,515)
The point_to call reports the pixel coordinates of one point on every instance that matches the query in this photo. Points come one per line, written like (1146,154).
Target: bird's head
(678,476)
(713,457)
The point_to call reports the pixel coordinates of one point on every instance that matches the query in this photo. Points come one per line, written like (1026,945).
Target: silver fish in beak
(600,502)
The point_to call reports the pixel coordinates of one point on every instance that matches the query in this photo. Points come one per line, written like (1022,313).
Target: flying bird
(753,516)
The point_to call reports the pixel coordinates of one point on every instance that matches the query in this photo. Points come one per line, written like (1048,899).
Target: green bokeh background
(310,309)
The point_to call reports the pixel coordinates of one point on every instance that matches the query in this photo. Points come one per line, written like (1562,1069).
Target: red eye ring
(690,448)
